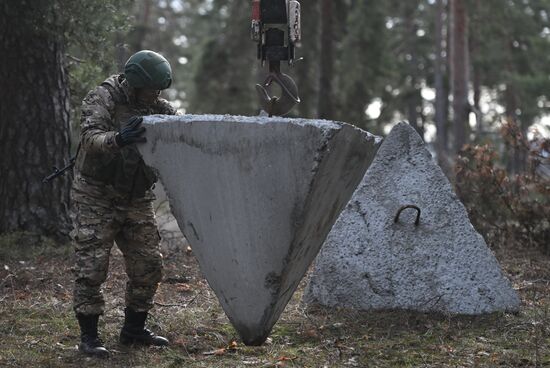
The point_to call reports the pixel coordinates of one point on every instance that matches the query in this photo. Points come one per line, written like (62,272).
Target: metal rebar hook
(416,222)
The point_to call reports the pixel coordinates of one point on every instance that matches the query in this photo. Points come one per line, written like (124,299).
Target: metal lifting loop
(416,222)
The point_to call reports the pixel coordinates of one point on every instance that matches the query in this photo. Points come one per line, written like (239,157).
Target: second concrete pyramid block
(434,263)
(256,198)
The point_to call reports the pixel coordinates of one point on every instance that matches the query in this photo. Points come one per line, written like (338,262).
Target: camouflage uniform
(112,201)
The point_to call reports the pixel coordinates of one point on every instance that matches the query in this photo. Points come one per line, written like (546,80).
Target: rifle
(58,172)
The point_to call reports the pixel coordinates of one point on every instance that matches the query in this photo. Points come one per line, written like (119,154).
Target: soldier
(112,199)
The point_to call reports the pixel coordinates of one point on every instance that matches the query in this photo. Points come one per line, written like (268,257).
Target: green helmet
(147,69)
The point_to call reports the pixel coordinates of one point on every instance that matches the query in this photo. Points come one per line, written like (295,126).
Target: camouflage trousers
(101,217)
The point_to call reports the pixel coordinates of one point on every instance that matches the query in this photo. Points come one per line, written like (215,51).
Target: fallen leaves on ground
(231,348)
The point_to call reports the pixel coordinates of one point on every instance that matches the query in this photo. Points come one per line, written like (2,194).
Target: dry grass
(38,328)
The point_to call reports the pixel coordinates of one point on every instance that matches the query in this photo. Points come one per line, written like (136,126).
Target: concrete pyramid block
(256,198)
(369,261)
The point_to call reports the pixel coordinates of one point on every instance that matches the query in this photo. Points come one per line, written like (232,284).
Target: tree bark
(476,72)
(517,156)
(459,72)
(120,52)
(307,71)
(34,125)
(441,95)
(325,106)
(414,96)
(142,28)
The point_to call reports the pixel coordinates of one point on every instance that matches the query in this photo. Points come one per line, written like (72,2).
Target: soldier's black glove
(131,132)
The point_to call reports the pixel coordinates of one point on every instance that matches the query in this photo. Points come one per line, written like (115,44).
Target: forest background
(461,72)
(471,76)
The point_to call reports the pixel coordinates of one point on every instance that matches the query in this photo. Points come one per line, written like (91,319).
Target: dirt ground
(38,329)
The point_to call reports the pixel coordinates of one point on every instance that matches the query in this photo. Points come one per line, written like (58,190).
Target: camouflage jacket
(100,161)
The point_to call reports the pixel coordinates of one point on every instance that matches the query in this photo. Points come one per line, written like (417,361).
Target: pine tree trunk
(476,71)
(440,90)
(307,71)
(120,52)
(242,96)
(517,157)
(459,72)
(476,82)
(142,28)
(414,96)
(34,126)
(325,106)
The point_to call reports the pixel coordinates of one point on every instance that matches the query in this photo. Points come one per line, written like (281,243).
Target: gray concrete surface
(441,265)
(173,241)
(255,197)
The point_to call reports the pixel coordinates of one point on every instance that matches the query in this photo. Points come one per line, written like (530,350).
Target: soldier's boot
(134,331)
(90,343)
